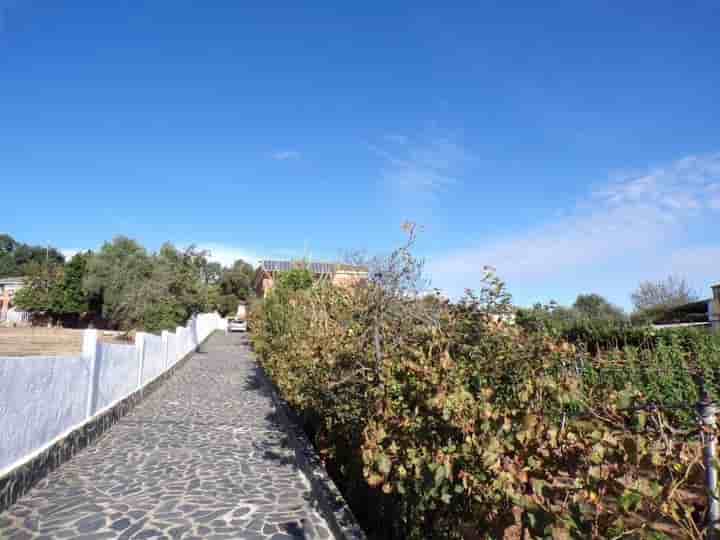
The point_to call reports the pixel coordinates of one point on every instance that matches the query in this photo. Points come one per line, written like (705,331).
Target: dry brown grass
(40,341)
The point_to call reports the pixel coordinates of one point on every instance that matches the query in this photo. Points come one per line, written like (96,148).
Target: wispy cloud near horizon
(285,155)
(227,254)
(635,221)
(420,166)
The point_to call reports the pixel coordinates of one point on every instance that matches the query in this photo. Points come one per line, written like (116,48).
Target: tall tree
(119,275)
(75,300)
(593,306)
(664,294)
(234,286)
(43,290)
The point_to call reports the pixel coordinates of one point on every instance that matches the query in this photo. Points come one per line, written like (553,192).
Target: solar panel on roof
(314,267)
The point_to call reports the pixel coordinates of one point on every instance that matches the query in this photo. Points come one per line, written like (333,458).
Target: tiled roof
(314,267)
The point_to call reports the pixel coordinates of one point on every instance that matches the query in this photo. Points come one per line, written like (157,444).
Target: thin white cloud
(420,167)
(633,221)
(227,255)
(69,253)
(285,155)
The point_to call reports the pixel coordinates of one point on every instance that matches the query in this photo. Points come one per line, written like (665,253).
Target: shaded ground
(202,457)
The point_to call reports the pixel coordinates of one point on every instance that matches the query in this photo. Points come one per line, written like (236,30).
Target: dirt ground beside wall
(38,341)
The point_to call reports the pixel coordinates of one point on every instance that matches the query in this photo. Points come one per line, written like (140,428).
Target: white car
(236,325)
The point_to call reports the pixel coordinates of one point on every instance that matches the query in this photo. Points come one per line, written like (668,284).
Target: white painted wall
(43,398)
(171,350)
(117,375)
(154,363)
(40,398)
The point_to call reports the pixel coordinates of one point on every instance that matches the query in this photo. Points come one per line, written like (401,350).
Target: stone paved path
(203,457)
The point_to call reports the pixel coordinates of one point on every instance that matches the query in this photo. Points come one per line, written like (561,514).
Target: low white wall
(171,349)
(117,374)
(40,398)
(154,361)
(44,398)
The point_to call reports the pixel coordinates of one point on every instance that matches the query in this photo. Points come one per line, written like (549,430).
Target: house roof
(693,312)
(15,280)
(314,267)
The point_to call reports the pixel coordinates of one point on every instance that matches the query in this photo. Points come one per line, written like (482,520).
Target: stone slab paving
(203,457)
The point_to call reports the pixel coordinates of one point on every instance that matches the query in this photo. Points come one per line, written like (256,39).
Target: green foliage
(17,259)
(128,287)
(595,307)
(75,300)
(43,290)
(150,291)
(125,285)
(591,310)
(295,280)
(55,290)
(439,420)
(120,274)
(233,285)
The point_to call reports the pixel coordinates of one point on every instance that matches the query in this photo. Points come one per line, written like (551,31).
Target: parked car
(237,325)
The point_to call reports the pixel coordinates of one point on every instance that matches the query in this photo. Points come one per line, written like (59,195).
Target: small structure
(8,287)
(344,275)
(703,314)
(714,308)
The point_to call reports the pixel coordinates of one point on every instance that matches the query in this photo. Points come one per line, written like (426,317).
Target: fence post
(707,412)
(164,335)
(140,356)
(90,352)
(180,345)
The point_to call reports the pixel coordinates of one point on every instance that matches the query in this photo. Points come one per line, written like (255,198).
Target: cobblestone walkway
(201,458)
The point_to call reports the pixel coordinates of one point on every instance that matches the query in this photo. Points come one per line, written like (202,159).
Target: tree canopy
(594,306)
(234,285)
(587,309)
(125,286)
(17,259)
(670,292)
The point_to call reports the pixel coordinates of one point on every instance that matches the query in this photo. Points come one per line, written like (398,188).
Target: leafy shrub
(439,420)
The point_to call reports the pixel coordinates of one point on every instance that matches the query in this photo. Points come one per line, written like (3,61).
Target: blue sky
(574,146)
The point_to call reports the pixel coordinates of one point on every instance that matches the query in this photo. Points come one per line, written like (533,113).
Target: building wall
(8,288)
(348,279)
(267,284)
(343,278)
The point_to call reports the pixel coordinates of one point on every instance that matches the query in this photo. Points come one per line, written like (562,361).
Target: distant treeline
(123,285)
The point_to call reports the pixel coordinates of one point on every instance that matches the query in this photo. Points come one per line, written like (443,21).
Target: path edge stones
(21,479)
(332,504)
